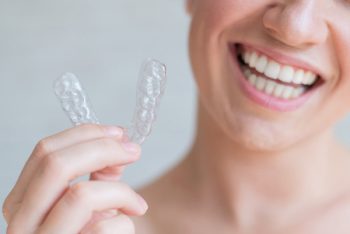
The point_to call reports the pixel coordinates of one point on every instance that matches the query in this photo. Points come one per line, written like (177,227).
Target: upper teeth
(275,70)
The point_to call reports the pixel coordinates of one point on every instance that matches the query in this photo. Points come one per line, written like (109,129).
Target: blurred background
(104,43)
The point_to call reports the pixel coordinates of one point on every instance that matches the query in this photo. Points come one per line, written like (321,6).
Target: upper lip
(284,59)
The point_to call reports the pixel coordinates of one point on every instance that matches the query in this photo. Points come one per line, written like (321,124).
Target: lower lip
(263,99)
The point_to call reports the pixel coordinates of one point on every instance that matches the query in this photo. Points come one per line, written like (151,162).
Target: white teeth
(253,59)
(279,90)
(247,72)
(261,64)
(274,70)
(287,92)
(246,57)
(260,83)
(298,77)
(271,87)
(286,74)
(252,79)
(309,78)
(298,92)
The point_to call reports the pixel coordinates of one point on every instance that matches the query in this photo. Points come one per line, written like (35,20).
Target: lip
(283,59)
(262,98)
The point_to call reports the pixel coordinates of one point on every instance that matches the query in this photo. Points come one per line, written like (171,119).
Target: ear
(189,6)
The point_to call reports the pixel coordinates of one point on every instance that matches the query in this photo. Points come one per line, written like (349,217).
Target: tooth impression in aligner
(74,100)
(150,89)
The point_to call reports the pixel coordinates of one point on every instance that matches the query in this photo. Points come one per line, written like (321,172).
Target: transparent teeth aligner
(150,89)
(74,100)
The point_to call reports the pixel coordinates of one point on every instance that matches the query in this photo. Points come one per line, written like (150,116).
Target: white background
(103,42)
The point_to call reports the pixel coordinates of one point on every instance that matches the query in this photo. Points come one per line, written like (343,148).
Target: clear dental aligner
(150,89)
(74,100)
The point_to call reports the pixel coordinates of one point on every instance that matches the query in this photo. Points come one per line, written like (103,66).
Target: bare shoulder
(334,216)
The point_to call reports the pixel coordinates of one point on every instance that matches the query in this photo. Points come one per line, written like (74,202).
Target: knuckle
(42,147)
(78,194)
(6,209)
(10,208)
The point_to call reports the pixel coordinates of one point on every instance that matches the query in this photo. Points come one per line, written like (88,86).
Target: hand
(44,200)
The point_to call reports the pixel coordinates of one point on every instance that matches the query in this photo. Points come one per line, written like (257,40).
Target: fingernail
(131,147)
(143,203)
(114,131)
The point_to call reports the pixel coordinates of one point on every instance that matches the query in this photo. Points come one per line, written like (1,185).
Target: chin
(260,141)
(261,136)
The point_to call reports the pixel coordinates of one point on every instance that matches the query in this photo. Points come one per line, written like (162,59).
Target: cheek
(337,104)
(219,14)
(208,22)
(243,123)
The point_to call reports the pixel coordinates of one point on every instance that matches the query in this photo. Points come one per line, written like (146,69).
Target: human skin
(254,169)
(251,169)
(44,200)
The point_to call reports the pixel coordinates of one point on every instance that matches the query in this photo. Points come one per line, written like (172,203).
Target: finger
(113,173)
(120,224)
(82,133)
(75,135)
(76,207)
(98,216)
(56,171)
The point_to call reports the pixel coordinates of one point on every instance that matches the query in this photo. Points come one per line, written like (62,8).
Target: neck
(248,184)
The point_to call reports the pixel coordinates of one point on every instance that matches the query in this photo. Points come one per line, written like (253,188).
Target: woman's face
(272,73)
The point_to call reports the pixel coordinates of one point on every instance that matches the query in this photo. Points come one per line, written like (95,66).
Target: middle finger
(48,145)
(58,169)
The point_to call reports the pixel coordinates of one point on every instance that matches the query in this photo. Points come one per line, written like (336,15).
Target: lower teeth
(273,88)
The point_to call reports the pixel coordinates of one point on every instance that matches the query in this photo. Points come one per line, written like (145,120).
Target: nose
(296,23)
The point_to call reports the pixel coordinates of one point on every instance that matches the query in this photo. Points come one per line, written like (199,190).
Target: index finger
(64,139)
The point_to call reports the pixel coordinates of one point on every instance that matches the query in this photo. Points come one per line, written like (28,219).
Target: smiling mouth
(272,78)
